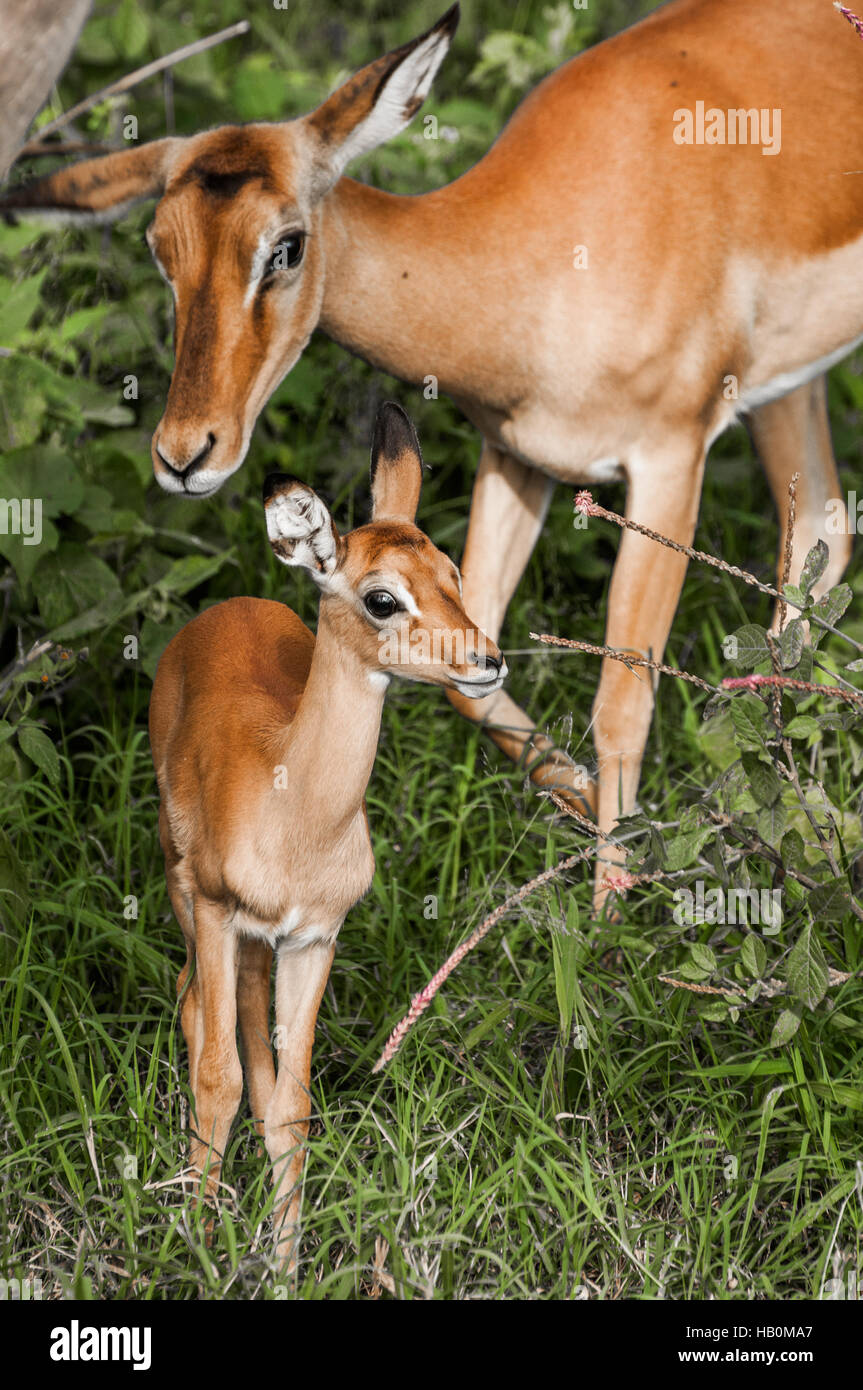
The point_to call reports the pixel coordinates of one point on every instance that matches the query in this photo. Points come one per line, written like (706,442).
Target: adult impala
(263,740)
(721,279)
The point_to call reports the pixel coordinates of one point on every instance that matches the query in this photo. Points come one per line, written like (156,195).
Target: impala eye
(286,254)
(380,604)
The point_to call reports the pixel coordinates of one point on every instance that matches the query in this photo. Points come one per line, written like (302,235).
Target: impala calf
(263,740)
(718,284)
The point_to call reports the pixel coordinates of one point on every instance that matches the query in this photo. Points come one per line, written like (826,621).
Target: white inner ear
(395,107)
(302,521)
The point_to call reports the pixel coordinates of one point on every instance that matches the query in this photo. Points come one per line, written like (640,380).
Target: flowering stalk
(422,1000)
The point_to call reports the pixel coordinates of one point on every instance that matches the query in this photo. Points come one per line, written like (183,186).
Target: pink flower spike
(620,883)
(852,18)
(745,682)
(584,503)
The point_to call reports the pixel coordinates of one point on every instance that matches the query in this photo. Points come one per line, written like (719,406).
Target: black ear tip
(394,434)
(273,483)
(449,21)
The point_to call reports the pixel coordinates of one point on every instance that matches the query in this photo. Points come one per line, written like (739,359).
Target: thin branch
(141,74)
(37,149)
(628,659)
(585,504)
(425,996)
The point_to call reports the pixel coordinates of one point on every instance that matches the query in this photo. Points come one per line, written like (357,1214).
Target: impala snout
(484,670)
(194,458)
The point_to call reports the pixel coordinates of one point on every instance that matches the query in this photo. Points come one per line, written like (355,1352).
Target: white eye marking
(405,597)
(260,261)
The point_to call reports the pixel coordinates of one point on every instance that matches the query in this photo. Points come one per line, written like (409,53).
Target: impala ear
(94,190)
(397,466)
(378,101)
(300,528)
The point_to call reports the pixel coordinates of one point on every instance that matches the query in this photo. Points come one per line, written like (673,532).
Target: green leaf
(44,473)
(71,581)
(830,901)
(714,1012)
(802,726)
(259,89)
(791,641)
(830,608)
(814,565)
(751,645)
(771,821)
(684,849)
(703,956)
(784,1028)
(37,746)
(19,301)
(749,717)
(129,28)
(763,779)
(192,570)
(793,850)
(807,969)
(754,956)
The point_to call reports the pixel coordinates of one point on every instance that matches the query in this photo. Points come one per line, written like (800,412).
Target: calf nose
(486,655)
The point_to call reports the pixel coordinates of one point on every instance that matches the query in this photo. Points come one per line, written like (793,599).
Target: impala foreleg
(508,509)
(643,598)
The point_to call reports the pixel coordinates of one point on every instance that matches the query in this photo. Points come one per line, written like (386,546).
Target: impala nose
(181,465)
(486,656)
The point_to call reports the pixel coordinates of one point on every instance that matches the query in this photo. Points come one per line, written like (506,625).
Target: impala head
(236,234)
(387,593)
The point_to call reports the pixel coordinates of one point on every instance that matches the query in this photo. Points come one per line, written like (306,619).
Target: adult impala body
(713,279)
(263,740)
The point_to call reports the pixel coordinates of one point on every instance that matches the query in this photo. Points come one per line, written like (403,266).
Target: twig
(39,149)
(628,659)
(425,996)
(770,988)
(141,74)
(585,504)
(789,547)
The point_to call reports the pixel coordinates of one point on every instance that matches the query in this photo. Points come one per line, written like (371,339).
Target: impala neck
(383,295)
(333,738)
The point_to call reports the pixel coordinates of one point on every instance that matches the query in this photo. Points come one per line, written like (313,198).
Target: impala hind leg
(209,1019)
(663,494)
(301,978)
(253,1007)
(792,435)
(508,508)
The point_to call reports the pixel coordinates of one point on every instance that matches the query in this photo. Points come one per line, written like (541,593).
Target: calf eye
(380,604)
(287,253)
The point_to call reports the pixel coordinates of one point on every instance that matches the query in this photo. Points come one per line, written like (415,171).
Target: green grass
(669,1157)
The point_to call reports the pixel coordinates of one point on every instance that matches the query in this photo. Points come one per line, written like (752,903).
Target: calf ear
(94,190)
(378,101)
(397,466)
(300,528)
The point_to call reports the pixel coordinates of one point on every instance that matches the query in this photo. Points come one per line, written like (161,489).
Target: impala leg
(508,508)
(645,589)
(301,978)
(792,435)
(210,1023)
(253,1007)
